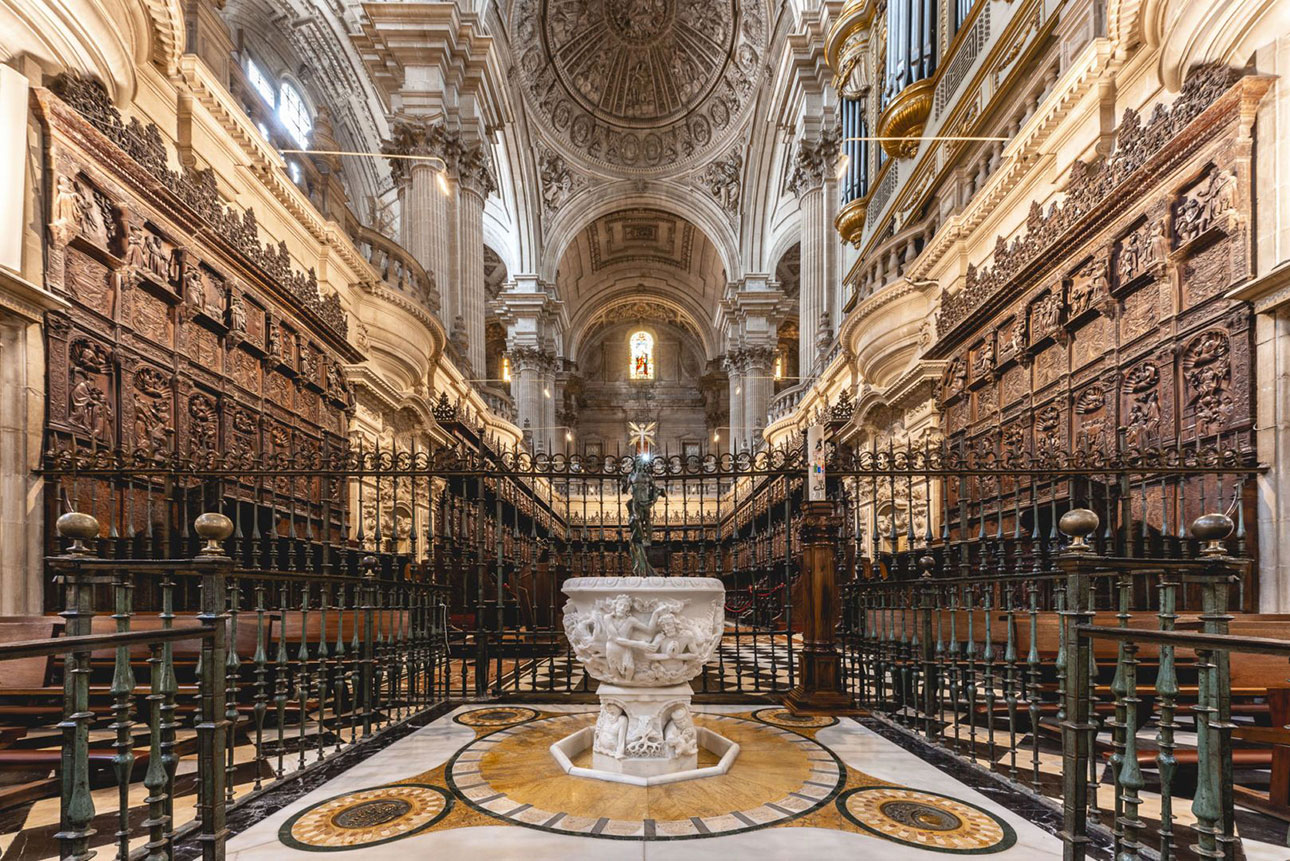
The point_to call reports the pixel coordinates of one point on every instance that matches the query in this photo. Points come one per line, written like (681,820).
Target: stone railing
(786,401)
(397,268)
(499,403)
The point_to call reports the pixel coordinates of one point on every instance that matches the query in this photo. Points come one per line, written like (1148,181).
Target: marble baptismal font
(644,637)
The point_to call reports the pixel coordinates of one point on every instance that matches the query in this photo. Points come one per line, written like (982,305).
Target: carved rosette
(644,86)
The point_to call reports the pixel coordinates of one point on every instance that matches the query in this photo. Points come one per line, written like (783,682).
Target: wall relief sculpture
(1207,370)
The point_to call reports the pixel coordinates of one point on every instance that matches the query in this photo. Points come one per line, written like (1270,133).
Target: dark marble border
(1019,800)
(273,798)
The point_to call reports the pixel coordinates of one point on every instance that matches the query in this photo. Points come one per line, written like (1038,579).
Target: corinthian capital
(815,160)
(464,161)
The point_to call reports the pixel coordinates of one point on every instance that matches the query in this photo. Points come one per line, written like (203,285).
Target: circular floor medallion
(778,776)
(367,817)
(785,718)
(926,820)
(495,716)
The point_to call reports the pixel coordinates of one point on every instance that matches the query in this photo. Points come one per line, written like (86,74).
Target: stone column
(813,182)
(819,687)
(734,369)
(526,390)
(759,386)
(474,184)
(424,194)
(443,222)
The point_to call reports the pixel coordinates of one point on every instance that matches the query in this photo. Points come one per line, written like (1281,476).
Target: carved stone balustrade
(397,268)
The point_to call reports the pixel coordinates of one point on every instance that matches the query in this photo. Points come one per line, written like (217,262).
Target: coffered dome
(639,86)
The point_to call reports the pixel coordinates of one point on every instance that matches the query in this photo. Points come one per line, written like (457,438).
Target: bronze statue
(639,483)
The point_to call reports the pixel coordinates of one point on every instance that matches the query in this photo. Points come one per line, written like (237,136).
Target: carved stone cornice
(815,161)
(24,299)
(463,160)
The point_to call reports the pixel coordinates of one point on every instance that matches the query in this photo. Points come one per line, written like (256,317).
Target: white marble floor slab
(430,746)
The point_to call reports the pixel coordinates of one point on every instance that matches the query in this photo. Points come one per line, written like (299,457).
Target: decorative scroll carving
(815,160)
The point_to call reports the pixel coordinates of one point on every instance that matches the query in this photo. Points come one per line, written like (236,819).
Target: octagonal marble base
(571,746)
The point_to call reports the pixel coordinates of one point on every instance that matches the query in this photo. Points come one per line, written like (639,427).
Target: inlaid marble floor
(479,783)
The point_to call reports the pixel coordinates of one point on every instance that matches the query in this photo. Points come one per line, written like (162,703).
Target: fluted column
(443,222)
(526,390)
(734,370)
(813,181)
(758,365)
(470,271)
(426,205)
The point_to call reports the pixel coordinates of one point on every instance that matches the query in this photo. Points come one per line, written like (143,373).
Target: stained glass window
(642,367)
(294,115)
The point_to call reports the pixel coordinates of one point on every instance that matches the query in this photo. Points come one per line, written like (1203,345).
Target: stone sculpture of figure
(134,253)
(640,508)
(670,641)
(68,208)
(156,257)
(679,733)
(621,629)
(611,731)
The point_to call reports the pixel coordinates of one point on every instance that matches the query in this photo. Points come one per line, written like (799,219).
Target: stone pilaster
(735,371)
(759,385)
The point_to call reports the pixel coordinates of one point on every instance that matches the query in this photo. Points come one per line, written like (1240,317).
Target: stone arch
(586,206)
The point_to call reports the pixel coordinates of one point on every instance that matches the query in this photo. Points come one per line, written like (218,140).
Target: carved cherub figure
(680,734)
(621,628)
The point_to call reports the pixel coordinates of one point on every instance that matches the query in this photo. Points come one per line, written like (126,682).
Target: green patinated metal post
(76,806)
(1076,562)
(212,730)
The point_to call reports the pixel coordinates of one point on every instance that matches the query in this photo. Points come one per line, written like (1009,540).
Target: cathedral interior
(670,429)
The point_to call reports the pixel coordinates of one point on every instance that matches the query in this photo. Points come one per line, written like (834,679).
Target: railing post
(819,687)
(927,593)
(1213,804)
(1076,561)
(212,730)
(76,807)
(366,659)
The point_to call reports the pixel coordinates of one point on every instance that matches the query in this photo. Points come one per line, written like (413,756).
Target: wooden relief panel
(1114,299)
(186,327)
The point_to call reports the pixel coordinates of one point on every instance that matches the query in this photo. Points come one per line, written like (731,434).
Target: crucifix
(641,435)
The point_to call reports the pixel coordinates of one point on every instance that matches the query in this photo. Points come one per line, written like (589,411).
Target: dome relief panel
(639,87)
